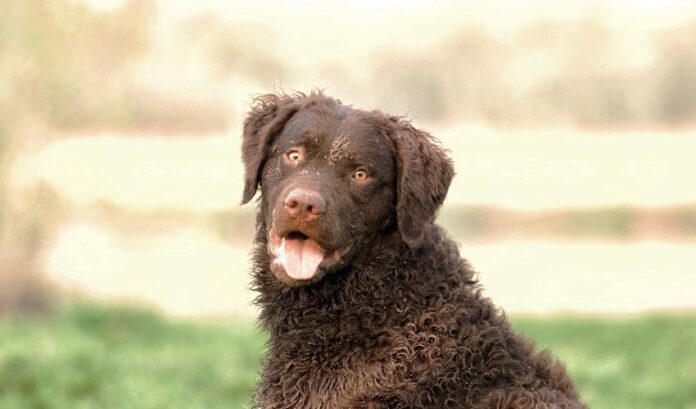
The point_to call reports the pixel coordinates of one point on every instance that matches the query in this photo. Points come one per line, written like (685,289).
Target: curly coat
(403,324)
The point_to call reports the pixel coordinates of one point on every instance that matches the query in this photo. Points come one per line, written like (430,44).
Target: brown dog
(367,302)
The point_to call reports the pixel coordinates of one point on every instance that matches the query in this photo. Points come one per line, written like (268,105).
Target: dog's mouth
(298,258)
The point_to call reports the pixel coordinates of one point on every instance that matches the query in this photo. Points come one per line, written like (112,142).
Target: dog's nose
(304,205)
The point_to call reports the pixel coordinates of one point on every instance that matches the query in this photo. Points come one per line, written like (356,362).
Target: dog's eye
(294,155)
(360,174)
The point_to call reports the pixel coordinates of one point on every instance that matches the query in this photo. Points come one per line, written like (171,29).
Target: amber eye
(294,155)
(360,174)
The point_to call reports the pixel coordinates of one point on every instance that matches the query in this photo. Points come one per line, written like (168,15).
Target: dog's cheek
(375,217)
(271,182)
(273,172)
(382,210)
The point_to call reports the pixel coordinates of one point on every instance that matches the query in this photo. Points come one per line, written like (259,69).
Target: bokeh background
(124,252)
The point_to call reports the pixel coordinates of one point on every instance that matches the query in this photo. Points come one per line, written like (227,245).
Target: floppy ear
(265,120)
(424,174)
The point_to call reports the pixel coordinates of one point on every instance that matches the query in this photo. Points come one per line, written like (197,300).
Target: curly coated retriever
(367,302)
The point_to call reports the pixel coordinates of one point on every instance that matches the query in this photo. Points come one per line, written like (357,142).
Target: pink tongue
(300,258)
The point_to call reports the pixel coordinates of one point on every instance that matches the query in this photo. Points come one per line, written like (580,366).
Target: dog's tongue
(300,258)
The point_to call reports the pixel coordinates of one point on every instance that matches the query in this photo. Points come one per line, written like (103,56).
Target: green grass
(91,356)
(647,362)
(98,357)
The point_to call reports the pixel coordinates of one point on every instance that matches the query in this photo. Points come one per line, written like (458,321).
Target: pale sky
(499,13)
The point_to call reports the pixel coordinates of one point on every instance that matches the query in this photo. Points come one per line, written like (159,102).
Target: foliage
(549,73)
(61,61)
(66,66)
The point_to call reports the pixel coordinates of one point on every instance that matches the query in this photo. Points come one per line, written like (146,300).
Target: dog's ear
(424,174)
(266,118)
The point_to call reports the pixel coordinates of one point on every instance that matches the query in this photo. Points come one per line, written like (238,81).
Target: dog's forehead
(337,134)
(359,138)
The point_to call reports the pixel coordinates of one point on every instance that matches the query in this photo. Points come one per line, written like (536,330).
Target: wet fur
(405,324)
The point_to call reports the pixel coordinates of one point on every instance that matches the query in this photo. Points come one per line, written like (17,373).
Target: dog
(367,302)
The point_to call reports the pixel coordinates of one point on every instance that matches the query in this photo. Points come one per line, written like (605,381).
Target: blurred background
(124,252)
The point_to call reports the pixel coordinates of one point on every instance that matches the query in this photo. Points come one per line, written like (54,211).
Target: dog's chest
(324,378)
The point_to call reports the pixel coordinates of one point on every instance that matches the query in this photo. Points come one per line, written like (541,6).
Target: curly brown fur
(401,323)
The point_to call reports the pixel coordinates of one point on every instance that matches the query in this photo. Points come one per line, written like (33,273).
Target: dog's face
(328,185)
(334,179)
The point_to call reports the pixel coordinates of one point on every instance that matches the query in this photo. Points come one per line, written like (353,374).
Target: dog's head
(334,179)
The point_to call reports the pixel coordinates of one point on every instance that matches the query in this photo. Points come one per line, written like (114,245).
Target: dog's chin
(298,260)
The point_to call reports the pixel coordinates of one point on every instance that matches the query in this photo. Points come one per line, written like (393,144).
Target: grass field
(92,356)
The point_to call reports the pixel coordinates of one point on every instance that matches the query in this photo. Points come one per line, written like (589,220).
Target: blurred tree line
(68,67)
(577,73)
(586,73)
